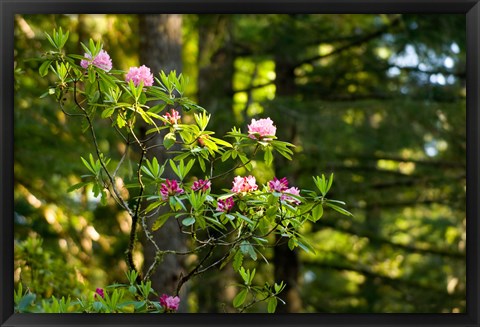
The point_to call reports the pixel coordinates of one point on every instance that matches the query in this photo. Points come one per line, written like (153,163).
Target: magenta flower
(173,116)
(201,184)
(138,74)
(225,205)
(258,129)
(169,303)
(102,60)
(291,190)
(170,188)
(244,184)
(278,185)
(99,292)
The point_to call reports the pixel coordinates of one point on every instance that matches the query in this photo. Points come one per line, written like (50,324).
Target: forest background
(379,100)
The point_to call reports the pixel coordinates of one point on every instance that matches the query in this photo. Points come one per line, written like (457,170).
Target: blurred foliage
(115,298)
(377,99)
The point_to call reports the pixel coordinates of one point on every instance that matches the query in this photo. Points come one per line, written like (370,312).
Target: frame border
(471,8)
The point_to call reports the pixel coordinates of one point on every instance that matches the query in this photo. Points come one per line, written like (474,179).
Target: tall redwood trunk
(286,262)
(160,49)
(215,93)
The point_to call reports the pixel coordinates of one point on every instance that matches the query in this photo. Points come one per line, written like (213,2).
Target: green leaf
(107,112)
(245,274)
(169,140)
(279,287)
(330,181)
(49,38)
(147,172)
(161,220)
(305,246)
(211,145)
(202,164)
(96,190)
(132,289)
(268,157)
(248,220)
(292,243)
(251,276)
(188,167)
(152,206)
(175,169)
(121,122)
(247,248)
(43,70)
(226,155)
(221,142)
(97,306)
(306,207)
(337,208)
(91,74)
(26,301)
(237,260)
(272,305)
(240,298)
(317,212)
(103,198)
(188,221)
(76,186)
(86,164)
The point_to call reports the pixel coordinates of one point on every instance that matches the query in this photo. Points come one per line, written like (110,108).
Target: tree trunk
(160,49)
(215,94)
(216,68)
(286,262)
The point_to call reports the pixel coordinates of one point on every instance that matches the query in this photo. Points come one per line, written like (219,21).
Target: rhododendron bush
(238,224)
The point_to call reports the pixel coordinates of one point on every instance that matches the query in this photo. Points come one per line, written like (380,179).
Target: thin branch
(185,278)
(97,148)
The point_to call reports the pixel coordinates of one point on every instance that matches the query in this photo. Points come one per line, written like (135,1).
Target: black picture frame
(470,8)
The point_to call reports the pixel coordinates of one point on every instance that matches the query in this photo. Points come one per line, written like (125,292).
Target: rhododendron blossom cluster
(293,191)
(169,303)
(244,184)
(173,116)
(202,185)
(278,185)
(225,205)
(281,185)
(140,74)
(99,292)
(263,127)
(102,60)
(170,188)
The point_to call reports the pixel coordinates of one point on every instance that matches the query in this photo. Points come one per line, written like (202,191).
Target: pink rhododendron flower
(170,188)
(263,127)
(102,60)
(173,116)
(244,184)
(170,303)
(238,184)
(138,74)
(291,190)
(278,185)
(99,292)
(225,205)
(201,184)
(251,184)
